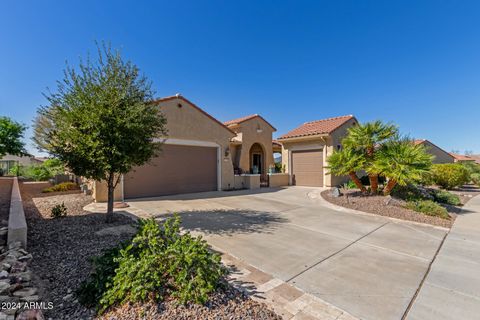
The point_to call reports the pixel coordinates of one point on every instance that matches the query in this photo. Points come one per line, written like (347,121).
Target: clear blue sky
(416,63)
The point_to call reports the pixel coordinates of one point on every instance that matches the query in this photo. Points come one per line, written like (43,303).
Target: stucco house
(7,162)
(200,154)
(306,148)
(440,155)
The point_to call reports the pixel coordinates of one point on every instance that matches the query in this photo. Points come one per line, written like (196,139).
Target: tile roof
(461,157)
(419,141)
(324,126)
(178,96)
(246,118)
(476,157)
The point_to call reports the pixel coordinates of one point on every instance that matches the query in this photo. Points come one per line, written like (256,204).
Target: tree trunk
(111,189)
(357,182)
(373,182)
(390,185)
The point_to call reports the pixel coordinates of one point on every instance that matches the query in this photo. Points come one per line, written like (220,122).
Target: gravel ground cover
(5,194)
(61,249)
(377,204)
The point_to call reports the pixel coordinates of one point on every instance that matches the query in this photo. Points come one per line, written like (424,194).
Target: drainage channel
(337,252)
(409,307)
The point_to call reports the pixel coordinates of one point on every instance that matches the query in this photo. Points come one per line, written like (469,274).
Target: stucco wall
(440,155)
(278,179)
(250,136)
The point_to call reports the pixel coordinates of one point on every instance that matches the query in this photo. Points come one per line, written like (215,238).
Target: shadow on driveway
(228,222)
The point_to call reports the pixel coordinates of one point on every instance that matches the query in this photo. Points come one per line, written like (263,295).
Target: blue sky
(416,63)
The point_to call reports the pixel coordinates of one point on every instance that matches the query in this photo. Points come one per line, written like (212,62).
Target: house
(440,155)
(306,148)
(462,158)
(200,154)
(8,161)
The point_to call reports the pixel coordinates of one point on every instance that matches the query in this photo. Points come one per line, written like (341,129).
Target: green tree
(401,162)
(367,138)
(347,162)
(11,134)
(101,121)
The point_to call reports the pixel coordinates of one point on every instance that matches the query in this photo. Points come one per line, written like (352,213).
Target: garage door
(179,169)
(307,168)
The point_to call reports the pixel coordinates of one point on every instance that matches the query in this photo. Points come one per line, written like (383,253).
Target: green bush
(158,262)
(475,178)
(450,175)
(411,192)
(472,167)
(64,186)
(446,197)
(59,210)
(349,185)
(429,208)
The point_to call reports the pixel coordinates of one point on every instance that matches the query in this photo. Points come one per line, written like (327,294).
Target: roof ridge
(332,118)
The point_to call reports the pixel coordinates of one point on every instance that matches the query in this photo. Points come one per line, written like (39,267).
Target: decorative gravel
(5,194)
(227,303)
(61,249)
(376,204)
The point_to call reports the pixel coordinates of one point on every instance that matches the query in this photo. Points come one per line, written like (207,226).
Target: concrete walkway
(367,266)
(451,290)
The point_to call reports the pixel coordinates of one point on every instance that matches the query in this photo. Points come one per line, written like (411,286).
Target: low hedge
(64,186)
(450,175)
(429,208)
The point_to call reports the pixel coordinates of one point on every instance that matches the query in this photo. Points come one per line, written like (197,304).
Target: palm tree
(401,162)
(347,162)
(367,138)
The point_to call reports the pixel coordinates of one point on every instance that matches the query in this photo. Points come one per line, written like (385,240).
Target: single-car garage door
(307,168)
(178,169)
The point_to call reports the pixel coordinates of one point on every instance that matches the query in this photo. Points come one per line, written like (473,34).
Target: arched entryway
(257,159)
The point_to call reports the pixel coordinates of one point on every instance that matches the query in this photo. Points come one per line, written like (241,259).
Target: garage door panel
(307,168)
(178,169)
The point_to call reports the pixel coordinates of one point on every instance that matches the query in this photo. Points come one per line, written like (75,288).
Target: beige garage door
(307,168)
(178,169)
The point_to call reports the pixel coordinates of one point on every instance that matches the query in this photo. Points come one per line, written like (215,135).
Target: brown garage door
(178,169)
(307,168)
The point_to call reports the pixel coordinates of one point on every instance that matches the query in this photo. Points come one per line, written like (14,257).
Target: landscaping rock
(31,315)
(4,274)
(336,192)
(25,292)
(4,287)
(15,245)
(33,298)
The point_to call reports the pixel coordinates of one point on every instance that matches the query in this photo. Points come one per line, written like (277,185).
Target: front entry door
(257,162)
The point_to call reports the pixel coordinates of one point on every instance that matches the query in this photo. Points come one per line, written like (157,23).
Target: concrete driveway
(367,265)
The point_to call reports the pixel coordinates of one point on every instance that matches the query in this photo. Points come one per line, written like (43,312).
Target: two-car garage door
(178,169)
(307,168)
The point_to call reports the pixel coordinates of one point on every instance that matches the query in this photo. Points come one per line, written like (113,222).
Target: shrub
(472,167)
(446,197)
(64,186)
(450,175)
(59,210)
(158,262)
(349,185)
(429,208)
(411,192)
(475,178)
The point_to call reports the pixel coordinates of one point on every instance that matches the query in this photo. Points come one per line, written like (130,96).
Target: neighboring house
(306,148)
(440,155)
(252,147)
(462,158)
(475,157)
(8,161)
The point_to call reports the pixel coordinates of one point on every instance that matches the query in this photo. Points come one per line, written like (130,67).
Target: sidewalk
(452,288)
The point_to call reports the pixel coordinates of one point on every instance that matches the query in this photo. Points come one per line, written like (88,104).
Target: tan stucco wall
(189,123)
(327,143)
(100,192)
(250,136)
(278,179)
(440,155)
